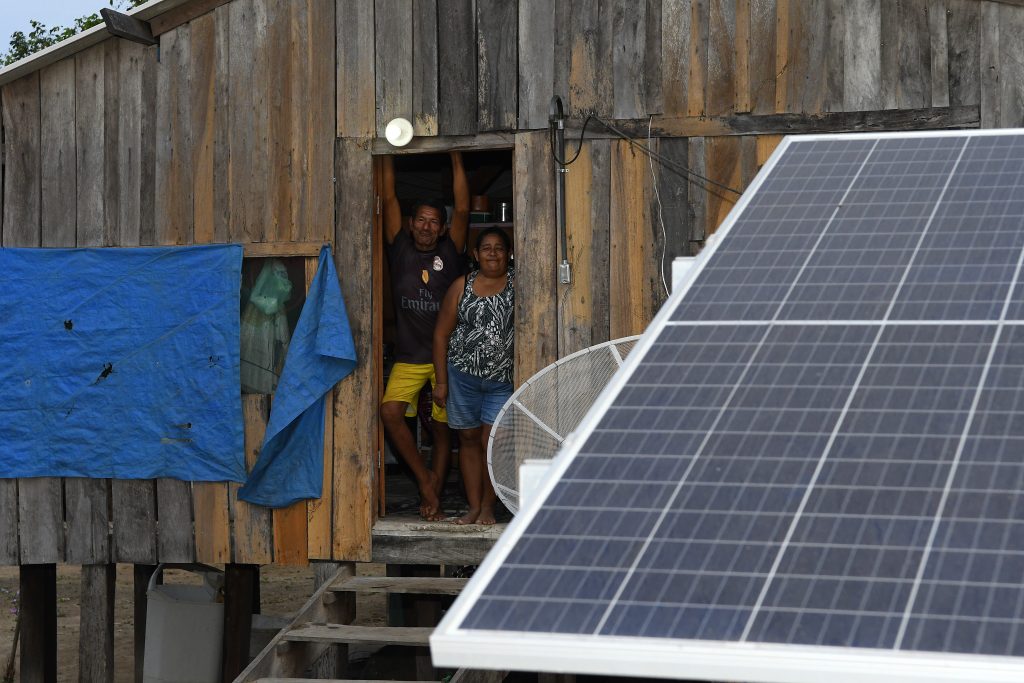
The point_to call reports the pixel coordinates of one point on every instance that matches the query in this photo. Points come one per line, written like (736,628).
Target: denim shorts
(472,400)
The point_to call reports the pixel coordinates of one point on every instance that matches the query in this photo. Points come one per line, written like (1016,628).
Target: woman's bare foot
(469,518)
(486,516)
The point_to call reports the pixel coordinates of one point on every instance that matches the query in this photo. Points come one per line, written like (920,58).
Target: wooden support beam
(38,605)
(929,118)
(447,143)
(96,625)
(142,573)
(334,662)
(238,610)
(406,542)
(128,27)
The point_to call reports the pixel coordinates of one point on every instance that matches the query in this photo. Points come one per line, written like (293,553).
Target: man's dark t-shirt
(419,280)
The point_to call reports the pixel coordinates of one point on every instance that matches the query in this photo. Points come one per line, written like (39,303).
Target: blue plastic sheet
(121,363)
(321,353)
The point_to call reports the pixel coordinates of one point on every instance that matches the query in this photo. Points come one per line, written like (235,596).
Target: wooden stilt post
(96,625)
(416,610)
(38,605)
(142,574)
(238,611)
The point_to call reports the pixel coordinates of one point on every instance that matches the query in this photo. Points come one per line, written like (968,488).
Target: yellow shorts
(405,383)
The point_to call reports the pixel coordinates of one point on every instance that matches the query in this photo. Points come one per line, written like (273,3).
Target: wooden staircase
(319,635)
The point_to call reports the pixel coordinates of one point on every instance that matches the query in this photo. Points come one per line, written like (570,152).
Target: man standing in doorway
(423,260)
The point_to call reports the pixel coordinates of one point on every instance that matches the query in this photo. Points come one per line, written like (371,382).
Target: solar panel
(812,464)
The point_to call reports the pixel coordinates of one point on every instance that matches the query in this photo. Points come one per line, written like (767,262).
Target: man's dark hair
(436,204)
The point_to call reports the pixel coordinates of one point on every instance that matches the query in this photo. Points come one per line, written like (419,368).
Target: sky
(15,14)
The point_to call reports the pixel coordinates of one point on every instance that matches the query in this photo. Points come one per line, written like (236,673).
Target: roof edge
(80,41)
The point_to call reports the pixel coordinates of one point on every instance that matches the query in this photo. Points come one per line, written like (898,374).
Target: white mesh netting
(546,409)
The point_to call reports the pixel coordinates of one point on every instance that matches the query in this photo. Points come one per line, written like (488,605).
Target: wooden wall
(260,122)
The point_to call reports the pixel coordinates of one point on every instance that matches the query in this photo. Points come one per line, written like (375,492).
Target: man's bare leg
(392,414)
(441,453)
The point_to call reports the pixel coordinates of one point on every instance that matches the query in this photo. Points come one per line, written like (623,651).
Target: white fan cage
(538,417)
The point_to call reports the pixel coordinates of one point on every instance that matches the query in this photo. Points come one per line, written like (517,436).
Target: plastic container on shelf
(184,628)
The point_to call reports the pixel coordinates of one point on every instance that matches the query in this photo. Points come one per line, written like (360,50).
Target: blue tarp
(321,353)
(121,363)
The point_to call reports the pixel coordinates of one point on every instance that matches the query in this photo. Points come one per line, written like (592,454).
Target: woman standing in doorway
(473,356)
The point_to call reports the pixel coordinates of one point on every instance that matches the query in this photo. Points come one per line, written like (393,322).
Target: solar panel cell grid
(823,444)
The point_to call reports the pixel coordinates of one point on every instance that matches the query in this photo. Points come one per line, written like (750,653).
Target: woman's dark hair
(506,240)
(436,204)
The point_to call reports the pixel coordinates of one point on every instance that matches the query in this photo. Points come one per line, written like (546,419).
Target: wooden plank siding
(260,121)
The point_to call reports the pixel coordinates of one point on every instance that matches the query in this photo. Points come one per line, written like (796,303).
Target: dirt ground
(283,591)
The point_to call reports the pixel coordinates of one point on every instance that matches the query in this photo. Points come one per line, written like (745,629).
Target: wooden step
(420,585)
(344,633)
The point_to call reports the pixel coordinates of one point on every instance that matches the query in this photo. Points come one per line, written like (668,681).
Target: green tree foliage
(41,36)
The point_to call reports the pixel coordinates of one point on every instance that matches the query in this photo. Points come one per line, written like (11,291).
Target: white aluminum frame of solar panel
(677,658)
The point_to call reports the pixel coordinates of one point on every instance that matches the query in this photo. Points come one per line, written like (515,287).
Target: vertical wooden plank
(939,45)
(1011,70)
(782,66)
(90,145)
(174,186)
(129,142)
(991,93)
(807,43)
(575,304)
(674,207)
(629,34)
(393,21)
(209,499)
(38,500)
(963,26)
(675,55)
(835,54)
(862,70)
(564,29)
(723,166)
(589,78)
(497,37)
(356,92)
(763,26)
(96,626)
(259,179)
(243,140)
(424,66)
(22,169)
(317,187)
(221,122)
(252,531)
(535,248)
(355,417)
(174,216)
(133,502)
(766,144)
(147,153)
(202,68)
(536,32)
(318,511)
(914,55)
(720,95)
(700,21)
(111,128)
(741,96)
(635,282)
(697,163)
(889,49)
(284,122)
(58,171)
(457,67)
(654,97)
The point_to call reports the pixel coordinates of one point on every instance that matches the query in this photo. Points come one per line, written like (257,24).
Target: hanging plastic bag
(264,330)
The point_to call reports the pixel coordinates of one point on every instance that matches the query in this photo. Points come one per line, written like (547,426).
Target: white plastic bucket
(184,629)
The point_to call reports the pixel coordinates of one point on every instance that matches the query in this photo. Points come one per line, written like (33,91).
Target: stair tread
(345,633)
(421,585)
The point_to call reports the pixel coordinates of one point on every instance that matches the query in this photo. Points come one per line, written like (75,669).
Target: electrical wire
(661,213)
(670,164)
